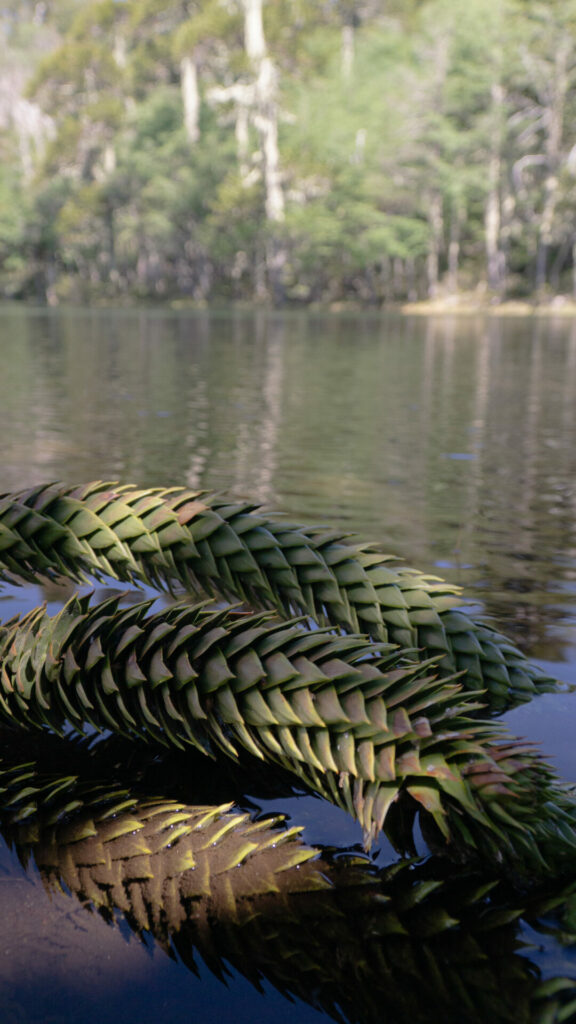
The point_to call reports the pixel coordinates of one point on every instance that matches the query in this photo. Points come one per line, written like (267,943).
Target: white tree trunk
(190,98)
(266,121)
(554,112)
(495,259)
(436,224)
(257,102)
(32,127)
(119,51)
(453,259)
(243,142)
(347,50)
(109,159)
(265,115)
(254,40)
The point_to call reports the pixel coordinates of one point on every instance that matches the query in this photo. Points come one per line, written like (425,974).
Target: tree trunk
(110,229)
(119,51)
(495,260)
(456,221)
(559,264)
(398,286)
(254,40)
(555,125)
(256,102)
(492,228)
(435,221)
(266,122)
(266,112)
(545,233)
(242,141)
(190,98)
(32,127)
(412,288)
(347,50)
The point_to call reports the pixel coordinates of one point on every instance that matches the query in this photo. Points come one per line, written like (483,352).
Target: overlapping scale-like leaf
(356,722)
(216,546)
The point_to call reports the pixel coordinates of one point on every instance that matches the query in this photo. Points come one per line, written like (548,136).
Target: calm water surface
(450,442)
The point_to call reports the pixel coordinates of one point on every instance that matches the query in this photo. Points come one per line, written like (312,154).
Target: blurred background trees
(287,150)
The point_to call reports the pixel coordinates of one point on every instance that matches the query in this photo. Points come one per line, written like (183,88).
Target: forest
(334,152)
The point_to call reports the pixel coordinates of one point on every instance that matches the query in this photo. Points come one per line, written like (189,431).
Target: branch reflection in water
(413,941)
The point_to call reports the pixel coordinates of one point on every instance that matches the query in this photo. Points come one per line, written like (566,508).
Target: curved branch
(211,545)
(370,731)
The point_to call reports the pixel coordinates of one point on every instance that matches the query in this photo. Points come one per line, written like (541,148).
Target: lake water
(448,441)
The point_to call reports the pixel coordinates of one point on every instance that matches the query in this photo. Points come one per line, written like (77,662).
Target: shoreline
(560,305)
(450,306)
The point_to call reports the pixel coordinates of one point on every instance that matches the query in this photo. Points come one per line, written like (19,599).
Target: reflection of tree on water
(347,418)
(412,942)
(503,412)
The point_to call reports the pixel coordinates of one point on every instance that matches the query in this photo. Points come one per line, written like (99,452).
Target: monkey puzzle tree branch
(363,727)
(214,546)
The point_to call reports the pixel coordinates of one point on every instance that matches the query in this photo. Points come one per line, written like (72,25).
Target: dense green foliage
(377,153)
